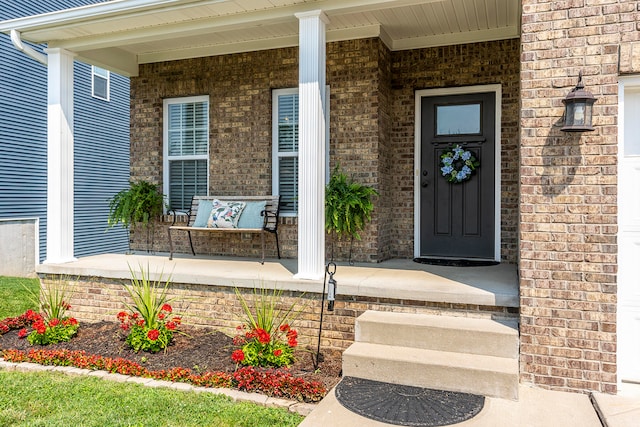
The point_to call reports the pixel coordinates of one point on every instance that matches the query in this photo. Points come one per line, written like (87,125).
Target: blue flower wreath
(458,165)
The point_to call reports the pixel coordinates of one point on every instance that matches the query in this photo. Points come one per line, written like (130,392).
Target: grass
(14,298)
(56,399)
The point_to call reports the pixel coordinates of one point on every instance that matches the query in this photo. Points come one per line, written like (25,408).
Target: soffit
(121,34)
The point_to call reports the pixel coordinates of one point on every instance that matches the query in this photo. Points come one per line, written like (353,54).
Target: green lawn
(55,399)
(14,298)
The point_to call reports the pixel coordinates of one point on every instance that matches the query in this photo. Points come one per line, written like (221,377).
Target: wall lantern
(578,106)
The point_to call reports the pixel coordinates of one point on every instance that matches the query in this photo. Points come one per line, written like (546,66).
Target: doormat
(455,262)
(406,405)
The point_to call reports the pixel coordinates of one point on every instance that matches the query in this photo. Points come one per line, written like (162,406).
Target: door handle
(425,183)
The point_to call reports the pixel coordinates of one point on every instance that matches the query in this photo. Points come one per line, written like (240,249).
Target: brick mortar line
(301,408)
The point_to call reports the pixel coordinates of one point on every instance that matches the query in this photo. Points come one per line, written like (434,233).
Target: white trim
(94,74)
(275,153)
(165,139)
(627,237)
(497,89)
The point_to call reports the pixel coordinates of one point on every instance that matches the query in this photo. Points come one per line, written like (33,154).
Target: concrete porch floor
(396,279)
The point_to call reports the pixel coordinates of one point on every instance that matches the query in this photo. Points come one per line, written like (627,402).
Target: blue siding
(101,161)
(101,144)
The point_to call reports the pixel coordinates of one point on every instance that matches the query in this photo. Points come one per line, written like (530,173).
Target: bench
(259,214)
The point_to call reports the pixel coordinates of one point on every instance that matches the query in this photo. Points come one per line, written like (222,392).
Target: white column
(311,151)
(60,156)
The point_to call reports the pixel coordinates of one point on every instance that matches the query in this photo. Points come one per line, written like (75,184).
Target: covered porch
(206,287)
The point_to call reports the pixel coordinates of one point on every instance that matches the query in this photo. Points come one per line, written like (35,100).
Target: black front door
(457,204)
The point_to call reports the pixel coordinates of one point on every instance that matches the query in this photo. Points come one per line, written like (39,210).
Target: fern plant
(348,205)
(137,204)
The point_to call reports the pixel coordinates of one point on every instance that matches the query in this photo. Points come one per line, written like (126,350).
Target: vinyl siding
(101,162)
(23,141)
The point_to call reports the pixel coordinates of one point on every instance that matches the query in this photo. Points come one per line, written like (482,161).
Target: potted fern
(348,207)
(138,204)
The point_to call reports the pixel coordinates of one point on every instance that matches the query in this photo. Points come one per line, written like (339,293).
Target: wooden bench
(259,215)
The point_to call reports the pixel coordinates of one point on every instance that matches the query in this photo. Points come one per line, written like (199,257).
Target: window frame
(166,158)
(277,155)
(95,73)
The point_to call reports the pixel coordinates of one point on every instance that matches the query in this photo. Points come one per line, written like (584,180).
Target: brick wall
(568,211)
(217,306)
(372,120)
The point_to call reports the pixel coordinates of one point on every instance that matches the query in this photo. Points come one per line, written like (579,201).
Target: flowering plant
(49,330)
(153,336)
(260,348)
(51,325)
(272,382)
(265,338)
(458,164)
(150,322)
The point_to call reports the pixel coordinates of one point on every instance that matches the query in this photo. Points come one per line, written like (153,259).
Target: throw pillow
(204,211)
(251,217)
(225,214)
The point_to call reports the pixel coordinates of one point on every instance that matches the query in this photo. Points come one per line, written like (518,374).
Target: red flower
(263,336)
(292,334)
(140,322)
(54,322)
(22,333)
(237,356)
(170,326)
(177,320)
(285,327)
(122,316)
(73,321)
(167,308)
(40,327)
(153,334)
(277,352)
(65,305)
(292,342)
(161,316)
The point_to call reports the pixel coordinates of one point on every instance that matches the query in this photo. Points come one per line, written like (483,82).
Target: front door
(629,237)
(457,176)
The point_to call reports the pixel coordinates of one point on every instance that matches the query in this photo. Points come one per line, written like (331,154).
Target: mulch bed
(198,349)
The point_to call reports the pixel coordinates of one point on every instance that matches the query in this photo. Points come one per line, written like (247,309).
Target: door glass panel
(461,119)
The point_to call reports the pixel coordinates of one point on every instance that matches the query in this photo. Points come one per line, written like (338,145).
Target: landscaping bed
(195,349)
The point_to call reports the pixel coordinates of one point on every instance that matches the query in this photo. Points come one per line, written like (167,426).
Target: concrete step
(470,373)
(443,333)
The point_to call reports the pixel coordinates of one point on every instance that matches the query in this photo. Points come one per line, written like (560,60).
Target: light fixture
(578,106)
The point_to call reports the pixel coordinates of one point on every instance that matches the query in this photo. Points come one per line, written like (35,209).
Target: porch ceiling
(121,34)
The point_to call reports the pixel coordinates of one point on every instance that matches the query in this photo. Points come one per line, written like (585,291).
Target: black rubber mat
(405,405)
(455,262)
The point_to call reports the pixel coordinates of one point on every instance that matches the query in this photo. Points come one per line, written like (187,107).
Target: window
(100,82)
(285,148)
(462,119)
(186,149)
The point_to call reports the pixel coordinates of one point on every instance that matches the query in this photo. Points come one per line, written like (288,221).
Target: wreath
(458,165)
